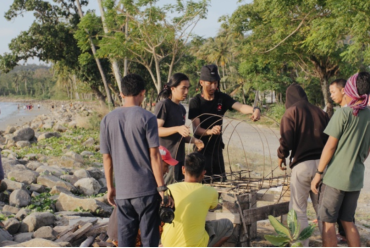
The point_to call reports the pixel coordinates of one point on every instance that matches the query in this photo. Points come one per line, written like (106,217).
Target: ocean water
(8,109)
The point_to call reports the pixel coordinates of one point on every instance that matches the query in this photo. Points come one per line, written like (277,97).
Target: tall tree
(282,31)
(153,35)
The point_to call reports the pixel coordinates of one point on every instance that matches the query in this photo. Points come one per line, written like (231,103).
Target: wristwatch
(254,108)
(319,172)
(162,188)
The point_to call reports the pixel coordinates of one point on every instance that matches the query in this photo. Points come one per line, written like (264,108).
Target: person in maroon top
(302,136)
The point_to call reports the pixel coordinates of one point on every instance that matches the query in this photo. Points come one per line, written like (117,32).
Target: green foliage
(276,112)
(56,147)
(289,236)
(42,203)
(81,210)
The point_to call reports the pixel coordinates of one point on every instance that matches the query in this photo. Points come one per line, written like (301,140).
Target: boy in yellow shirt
(192,201)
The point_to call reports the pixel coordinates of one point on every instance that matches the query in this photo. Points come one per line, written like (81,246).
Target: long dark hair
(175,81)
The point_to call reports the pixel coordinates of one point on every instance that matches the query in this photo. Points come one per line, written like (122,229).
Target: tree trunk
(158,72)
(327,100)
(93,49)
(98,94)
(74,80)
(115,67)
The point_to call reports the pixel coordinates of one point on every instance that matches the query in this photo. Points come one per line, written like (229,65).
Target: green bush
(276,112)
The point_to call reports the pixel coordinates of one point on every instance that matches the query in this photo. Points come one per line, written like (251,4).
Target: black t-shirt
(173,115)
(199,107)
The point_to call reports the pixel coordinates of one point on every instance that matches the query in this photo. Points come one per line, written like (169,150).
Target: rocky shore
(54,179)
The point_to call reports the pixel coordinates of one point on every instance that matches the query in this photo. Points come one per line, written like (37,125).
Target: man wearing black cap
(206,111)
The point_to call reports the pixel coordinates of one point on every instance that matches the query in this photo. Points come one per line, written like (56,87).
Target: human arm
(108,170)
(286,140)
(246,109)
(326,156)
(197,142)
(167,131)
(198,130)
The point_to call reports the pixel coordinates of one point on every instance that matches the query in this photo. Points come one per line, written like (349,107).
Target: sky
(205,28)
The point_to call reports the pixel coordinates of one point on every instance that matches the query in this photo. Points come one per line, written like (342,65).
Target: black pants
(215,166)
(135,213)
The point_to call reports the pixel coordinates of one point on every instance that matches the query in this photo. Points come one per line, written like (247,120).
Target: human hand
(315,183)
(183,131)
(216,130)
(199,144)
(256,116)
(281,162)
(111,195)
(170,201)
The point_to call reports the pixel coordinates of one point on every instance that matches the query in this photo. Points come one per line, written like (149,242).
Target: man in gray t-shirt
(129,143)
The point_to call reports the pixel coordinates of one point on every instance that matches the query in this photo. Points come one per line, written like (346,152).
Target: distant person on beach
(206,110)
(38,106)
(171,117)
(129,143)
(112,230)
(344,155)
(301,130)
(193,201)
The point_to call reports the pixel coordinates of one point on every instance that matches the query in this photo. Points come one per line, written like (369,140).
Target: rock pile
(41,195)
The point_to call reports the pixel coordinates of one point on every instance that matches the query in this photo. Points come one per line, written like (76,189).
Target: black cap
(209,73)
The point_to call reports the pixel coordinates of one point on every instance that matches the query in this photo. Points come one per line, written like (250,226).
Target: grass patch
(71,140)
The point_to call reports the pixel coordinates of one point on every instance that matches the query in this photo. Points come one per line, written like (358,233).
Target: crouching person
(193,200)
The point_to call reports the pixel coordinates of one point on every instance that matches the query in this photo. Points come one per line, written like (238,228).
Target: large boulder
(75,156)
(56,190)
(45,232)
(89,142)
(10,129)
(37,188)
(51,169)
(81,173)
(5,235)
(23,237)
(23,176)
(7,184)
(25,134)
(70,178)
(33,165)
(41,243)
(10,209)
(58,127)
(48,125)
(69,203)
(22,144)
(19,198)
(48,135)
(51,181)
(96,173)
(36,220)
(89,186)
(23,213)
(12,225)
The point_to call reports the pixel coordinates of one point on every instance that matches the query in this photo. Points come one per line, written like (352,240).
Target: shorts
(218,229)
(336,204)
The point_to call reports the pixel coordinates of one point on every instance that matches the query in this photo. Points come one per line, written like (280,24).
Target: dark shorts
(335,204)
